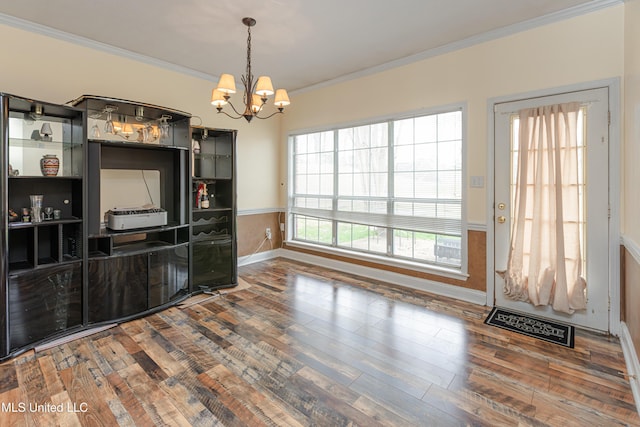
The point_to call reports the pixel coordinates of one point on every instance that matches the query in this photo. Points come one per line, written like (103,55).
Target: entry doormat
(546,330)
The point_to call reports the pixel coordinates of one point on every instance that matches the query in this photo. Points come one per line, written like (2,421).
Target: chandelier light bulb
(218,98)
(282,98)
(256,103)
(264,87)
(227,84)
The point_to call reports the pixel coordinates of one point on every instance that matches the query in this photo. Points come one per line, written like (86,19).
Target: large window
(392,188)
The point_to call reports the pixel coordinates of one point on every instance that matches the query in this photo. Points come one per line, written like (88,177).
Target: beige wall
(71,70)
(631,148)
(582,49)
(631,179)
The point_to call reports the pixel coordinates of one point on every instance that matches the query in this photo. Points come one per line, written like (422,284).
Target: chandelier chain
(249,54)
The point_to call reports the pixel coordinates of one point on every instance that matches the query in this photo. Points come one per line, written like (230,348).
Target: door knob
(501,219)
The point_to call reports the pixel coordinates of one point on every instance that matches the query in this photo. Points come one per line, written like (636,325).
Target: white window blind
(394,178)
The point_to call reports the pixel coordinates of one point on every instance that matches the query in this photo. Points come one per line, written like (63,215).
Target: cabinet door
(117,287)
(43,302)
(212,263)
(168,275)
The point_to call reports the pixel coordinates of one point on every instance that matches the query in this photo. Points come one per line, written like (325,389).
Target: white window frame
(445,271)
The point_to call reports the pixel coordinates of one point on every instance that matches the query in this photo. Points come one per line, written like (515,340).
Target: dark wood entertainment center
(62,269)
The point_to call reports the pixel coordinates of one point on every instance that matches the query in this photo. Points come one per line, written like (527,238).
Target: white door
(595,195)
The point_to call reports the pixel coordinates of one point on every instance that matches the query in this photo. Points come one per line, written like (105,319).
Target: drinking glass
(108,126)
(95,131)
(36,214)
(164,126)
(36,200)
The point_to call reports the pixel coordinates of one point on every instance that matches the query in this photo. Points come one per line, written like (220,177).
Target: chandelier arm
(259,108)
(234,110)
(220,110)
(280,111)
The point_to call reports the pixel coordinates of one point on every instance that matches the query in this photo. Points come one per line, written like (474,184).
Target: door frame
(613,85)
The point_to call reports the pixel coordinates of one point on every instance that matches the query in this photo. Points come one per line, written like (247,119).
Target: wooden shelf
(220,209)
(78,177)
(44,223)
(21,267)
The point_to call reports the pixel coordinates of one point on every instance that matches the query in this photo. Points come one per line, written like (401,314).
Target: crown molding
(571,12)
(22,24)
(583,9)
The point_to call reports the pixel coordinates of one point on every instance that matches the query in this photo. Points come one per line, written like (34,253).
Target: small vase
(49,165)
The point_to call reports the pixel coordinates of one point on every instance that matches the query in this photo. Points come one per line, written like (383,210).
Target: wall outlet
(267,233)
(282,227)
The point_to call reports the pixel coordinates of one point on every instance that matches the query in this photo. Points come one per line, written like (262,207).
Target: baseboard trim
(72,337)
(631,360)
(258,256)
(452,291)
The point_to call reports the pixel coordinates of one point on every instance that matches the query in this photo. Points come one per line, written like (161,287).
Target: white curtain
(545,260)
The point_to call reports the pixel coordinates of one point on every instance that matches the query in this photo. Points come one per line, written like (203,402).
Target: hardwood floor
(304,346)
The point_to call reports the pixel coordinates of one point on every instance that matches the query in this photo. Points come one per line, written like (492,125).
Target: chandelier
(255,95)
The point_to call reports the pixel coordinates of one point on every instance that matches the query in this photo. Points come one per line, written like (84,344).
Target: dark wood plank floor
(304,346)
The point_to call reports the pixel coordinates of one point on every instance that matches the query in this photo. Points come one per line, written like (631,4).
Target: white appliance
(139,217)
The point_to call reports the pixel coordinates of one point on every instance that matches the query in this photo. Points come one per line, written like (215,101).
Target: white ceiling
(299,43)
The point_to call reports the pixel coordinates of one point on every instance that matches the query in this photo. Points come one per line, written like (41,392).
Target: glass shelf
(38,143)
(120,120)
(212,166)
(25,157)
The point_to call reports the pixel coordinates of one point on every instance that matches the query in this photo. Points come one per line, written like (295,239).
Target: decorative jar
(49,165)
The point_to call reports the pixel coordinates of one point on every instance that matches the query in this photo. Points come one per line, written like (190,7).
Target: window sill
(392,262)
